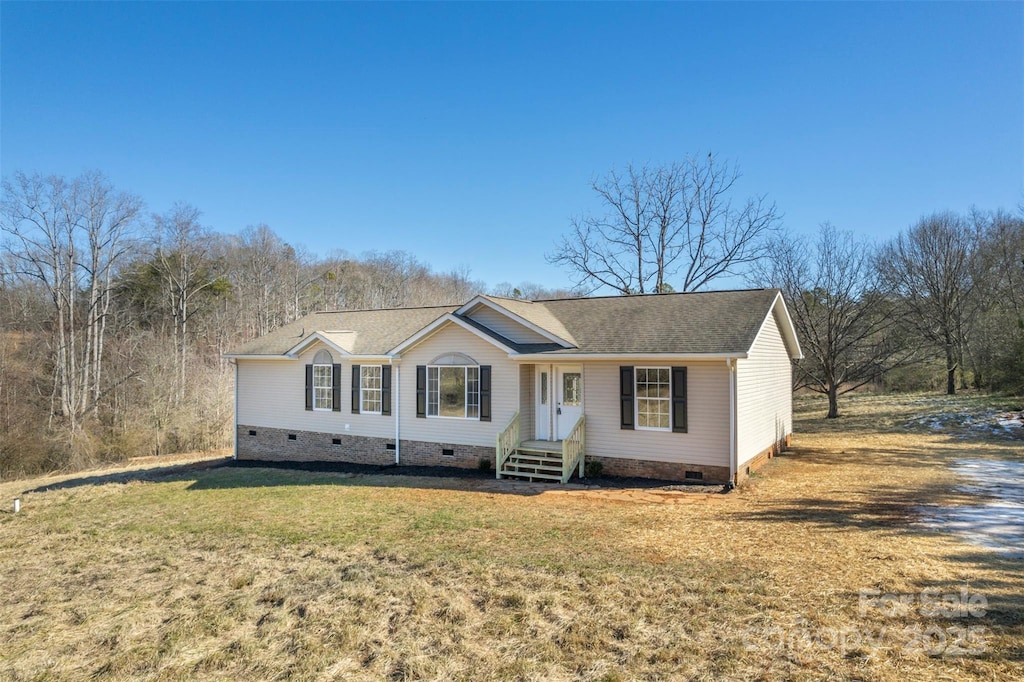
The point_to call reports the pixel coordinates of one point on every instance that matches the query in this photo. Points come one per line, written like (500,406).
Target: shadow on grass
(941,453)
(881,508)
(226,473)
(908,457)
(151,474)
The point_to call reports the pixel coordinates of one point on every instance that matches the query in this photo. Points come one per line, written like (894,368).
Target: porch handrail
(573,448)
(507,442)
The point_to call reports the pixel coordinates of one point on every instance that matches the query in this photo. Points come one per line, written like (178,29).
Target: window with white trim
(653,398)
(453,391)
(323,381)
(370,389)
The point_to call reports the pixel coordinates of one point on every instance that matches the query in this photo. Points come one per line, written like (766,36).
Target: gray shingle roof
(715,322)
(376,331)
(718,322)
(517,347)
(534,313)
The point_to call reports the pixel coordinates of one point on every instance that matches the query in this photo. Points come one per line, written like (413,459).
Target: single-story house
(672,386)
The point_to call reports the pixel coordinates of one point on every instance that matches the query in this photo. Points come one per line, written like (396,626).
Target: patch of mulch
(614,482)
(364,469)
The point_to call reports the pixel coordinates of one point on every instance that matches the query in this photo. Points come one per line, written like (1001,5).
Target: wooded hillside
(113,320)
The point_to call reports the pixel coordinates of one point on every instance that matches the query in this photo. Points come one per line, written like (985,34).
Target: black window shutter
(421,391)
(485,393)
(309,387)
(336,388)
(679,399)
(626,391)
(356,378)
(385,389)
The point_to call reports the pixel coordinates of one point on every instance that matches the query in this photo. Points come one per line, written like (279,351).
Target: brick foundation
(420,453)
(667,471)
(274,445)
(762,458)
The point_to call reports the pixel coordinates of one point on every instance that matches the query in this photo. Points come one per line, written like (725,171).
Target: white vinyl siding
(504,325)
(527,393)
(271,393)
(764,393)
(707,441)
(504,389)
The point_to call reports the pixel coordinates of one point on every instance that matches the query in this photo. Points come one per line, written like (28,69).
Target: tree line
(943,298)
(947,291)
(114,320)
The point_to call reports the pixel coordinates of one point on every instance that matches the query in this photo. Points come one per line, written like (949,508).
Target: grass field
(193,571)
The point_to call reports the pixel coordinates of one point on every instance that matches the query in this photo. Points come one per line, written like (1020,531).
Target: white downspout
(235,434)
(733,460)
(397,408)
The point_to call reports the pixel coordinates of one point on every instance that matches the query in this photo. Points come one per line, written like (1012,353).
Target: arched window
(453,387)
(323,381)
(455,360)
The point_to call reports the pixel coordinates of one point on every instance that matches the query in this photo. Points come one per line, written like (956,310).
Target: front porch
(552,460)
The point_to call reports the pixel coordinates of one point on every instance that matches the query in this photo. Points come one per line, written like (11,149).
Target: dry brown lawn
(195,571)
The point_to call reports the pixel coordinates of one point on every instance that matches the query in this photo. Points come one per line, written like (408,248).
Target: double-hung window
(323,387)
(370,385)
(453,391)
(653,398)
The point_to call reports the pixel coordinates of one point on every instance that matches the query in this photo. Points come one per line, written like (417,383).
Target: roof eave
(557,356)
(256,356)
(447,318)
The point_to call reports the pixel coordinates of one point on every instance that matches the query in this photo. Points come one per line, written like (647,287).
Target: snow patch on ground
(1008,421)
(997,521)
(967,423)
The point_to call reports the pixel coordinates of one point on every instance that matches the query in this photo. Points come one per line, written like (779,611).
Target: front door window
(568,399)
(571,388)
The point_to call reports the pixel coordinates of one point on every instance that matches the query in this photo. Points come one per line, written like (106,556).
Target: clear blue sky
(467,134)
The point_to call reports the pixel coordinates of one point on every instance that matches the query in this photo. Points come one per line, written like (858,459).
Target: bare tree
(532,291)
(182,261)
(663,222)
(995,346)
(70,237)
(846,327)
(260,266)
(932,267)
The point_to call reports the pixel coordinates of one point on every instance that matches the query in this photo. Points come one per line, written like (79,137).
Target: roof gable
(366,332)
(517,320)
(445,320)
(785,325)
(341,341)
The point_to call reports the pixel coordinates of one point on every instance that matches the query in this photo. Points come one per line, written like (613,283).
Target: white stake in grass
(17,505)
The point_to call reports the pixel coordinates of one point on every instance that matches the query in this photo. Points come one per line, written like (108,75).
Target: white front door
(543,404)
(568,398)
